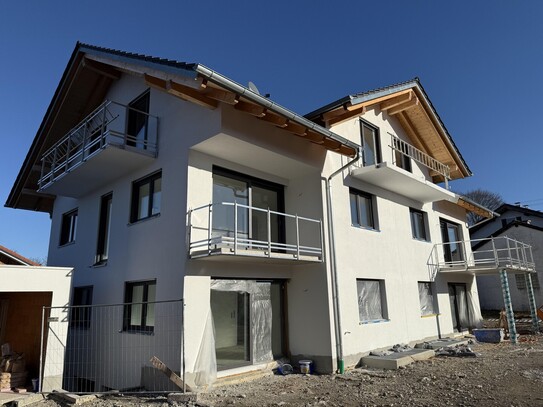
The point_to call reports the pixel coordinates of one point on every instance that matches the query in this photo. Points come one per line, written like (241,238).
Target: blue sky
(481,63)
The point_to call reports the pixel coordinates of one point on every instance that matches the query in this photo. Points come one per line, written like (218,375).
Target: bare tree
(488,199)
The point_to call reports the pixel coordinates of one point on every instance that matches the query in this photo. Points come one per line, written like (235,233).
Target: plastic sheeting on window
(369,300)
(426,298)
(260,314)
(205,368)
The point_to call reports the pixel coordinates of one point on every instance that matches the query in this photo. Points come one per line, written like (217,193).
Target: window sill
(136,222)
(421,240)
(430,315)
(374,321)
(366,228)
(137,332)
(98,265)
(66,244)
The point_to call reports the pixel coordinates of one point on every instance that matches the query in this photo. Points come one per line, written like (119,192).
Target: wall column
(508,306)
(531,298)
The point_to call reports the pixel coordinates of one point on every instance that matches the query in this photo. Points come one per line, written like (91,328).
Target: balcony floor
(395,179)
(252,255)
(101,167)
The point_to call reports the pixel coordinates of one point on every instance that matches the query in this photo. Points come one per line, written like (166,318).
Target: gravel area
(501,375)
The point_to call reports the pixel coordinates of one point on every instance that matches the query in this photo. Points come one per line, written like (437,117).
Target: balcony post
(531,300)
(321,231)
(53,165)
(508,306)
(496,260)
(516,250)
(189,237)
(103,126)
(68,153)
(297,238)
(209,227)
(269,232)
(40,183)
(84,145)
(509,250)
(235,227)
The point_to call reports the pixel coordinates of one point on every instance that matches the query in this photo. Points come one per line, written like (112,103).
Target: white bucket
(306,366)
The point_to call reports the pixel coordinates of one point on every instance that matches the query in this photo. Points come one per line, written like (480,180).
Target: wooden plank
(377,100)
(250,108)
(190,94)
(221,95)
(158,364)
(296,128)
(100,68)
(398,100)
(275,119)
(335,113)
(351,113)
(404,106)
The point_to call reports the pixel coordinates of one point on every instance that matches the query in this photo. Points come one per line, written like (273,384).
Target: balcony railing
(492,254)
(285,236)
(108,125)
(403,148)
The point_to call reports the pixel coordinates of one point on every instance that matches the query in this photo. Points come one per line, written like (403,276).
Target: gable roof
(415,112)
(499,232)
(90,72)
(8,256)
(504,208)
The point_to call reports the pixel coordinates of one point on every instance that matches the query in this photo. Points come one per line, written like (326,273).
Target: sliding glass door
(452,245)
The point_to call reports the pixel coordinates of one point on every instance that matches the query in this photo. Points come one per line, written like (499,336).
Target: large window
(419,224)
(371,300)
(371,151)
(139,311)
(362,210)
(138,120)
(452,245)
(102,249)
(146,197)
(80,316)
(426,298)
(68,227)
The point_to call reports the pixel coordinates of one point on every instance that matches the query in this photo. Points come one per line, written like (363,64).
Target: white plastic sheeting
(260,314)
(369,300)
(205,369)
(426,298)
(475,312)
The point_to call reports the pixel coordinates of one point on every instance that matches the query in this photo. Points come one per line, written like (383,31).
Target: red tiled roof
(16,255)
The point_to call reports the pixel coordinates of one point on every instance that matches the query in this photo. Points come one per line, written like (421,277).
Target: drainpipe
(333,264)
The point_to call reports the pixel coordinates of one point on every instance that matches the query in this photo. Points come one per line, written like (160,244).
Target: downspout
(333,264)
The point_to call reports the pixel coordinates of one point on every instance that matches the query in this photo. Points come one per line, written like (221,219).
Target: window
(418,224)
(68,227)
(371,300)
(362,213)
(102,249)
(139,311)
(452,244)
(146,197)
(80,316)
(521,281)
(138,120)
(371,152)
(426,298)
(401,154)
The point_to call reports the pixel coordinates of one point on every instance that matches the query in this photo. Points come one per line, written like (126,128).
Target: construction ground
(500,374)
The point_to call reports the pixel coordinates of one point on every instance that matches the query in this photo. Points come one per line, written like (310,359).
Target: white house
(522,224)
(319,237)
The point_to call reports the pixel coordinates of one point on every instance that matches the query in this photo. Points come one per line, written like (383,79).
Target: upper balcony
(110,142)
(490,255)
(233,231)
(397,176)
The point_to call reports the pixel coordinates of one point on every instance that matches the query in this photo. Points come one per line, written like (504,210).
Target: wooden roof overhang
(410,105)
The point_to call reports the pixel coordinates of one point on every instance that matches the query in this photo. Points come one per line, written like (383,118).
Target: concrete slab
(19,399)
(441,343)
(397,359)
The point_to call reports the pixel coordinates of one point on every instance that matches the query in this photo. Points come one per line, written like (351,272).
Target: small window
(371,300)
(139,310)
(68,227)
(146,197)
(426,298)
(80,316)
(104,227)
(371,151)
(362,211)
(419,224)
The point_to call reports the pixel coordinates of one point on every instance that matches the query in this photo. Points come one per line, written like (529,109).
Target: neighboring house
(522,224)
(306,237)
(26,288)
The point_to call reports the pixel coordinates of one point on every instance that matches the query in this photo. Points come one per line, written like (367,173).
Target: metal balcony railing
(493,253)
(107,125)
(400,146)
(235,232)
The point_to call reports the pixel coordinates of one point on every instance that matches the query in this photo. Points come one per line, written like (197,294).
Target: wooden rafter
(251,108)
(398,100)
(475,209)
(404,106)
(100,68)
(190,94)
(335,113)
(378,100)
(296,128)
(221,95)
(275,119)
(412,133)
(358,112)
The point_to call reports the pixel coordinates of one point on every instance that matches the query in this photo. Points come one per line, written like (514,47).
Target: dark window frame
(104,229)
(134,114)
(425,230)
(68,227)
(127,312)
(374,224)
(134,205)
(81,313)
(376,142)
